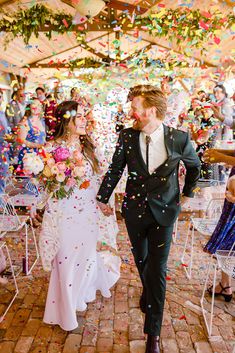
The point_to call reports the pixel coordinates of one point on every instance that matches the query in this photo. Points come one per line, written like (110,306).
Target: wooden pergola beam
(6,2)
(61,65)
(123,6)
(87,47)
(117,5)
(176,51)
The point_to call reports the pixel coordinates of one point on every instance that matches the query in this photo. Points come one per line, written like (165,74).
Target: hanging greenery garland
(193,26)
(26,22)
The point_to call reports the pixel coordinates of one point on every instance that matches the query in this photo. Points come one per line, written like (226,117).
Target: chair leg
(188,271)
(209,323)
(14,279)
(29,270)
(191,254)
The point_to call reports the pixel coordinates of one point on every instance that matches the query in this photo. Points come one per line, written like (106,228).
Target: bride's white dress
(67,245)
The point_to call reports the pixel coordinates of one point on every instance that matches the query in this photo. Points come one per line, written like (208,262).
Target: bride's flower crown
(70,114)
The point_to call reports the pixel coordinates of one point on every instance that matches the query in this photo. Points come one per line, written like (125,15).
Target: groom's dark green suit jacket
(159,189)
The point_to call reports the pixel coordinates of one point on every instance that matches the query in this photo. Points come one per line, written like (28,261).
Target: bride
(70,229)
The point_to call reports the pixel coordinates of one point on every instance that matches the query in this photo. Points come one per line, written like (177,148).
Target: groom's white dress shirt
(157,149)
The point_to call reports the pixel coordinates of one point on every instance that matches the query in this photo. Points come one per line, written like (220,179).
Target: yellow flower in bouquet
(47,171)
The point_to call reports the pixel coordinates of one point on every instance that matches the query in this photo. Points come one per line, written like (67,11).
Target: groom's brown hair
(153,97)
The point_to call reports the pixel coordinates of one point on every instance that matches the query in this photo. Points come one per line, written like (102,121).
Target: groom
(152,152)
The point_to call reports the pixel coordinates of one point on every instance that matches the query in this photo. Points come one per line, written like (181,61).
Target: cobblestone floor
(116,324)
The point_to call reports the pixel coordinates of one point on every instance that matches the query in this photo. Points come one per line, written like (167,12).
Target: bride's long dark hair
(65,112)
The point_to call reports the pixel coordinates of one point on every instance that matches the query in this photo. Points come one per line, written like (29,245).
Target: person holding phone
(222,107)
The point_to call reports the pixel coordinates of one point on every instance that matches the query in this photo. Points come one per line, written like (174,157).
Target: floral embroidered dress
(68,240)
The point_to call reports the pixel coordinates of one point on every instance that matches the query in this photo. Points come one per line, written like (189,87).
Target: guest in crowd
(223,236)
(31,132)
(59,94)
(222,107)
(176,101)
(41,94)
(74,94)
(203,133)
(15,109)
(49,106)
(120,118)
(4,156)
(222,111)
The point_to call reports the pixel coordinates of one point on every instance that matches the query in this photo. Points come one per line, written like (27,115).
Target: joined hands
(106,209)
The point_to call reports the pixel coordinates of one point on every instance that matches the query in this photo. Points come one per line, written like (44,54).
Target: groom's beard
(138,123)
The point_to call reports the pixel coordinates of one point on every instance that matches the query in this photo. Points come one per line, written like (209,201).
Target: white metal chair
(225,261)
(204,226)
(199,203)
(4,248)
(10,221)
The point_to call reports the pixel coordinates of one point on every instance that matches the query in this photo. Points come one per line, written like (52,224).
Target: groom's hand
(105,209)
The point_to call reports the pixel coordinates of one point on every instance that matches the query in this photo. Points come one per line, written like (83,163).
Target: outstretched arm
(193,167)
(113,174)
(217,156)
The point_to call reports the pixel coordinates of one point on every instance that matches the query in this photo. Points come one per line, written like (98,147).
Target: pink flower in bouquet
(60,177)
(71,182)
(54,169)
(61,166)
(61,154)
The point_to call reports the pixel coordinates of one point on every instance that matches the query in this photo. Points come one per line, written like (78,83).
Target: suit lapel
(138,151)
(168,140)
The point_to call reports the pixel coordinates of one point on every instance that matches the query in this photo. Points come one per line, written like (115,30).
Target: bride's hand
(105,209)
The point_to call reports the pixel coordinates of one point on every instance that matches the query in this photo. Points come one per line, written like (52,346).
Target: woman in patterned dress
(223,236)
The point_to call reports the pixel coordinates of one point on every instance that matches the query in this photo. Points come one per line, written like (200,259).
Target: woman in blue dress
(4,148)
(223,236)
(31,132)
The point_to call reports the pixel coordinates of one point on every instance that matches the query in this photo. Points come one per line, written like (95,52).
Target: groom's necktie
(147,140)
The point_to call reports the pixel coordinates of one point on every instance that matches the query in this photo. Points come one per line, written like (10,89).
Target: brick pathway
(115,325)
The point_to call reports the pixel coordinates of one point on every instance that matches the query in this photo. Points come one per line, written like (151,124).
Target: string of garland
(194,26)
(26,22)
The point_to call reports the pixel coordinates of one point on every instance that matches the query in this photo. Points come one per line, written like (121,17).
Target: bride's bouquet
(63,172)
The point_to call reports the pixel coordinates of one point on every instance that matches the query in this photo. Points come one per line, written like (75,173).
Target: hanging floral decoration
(195,26)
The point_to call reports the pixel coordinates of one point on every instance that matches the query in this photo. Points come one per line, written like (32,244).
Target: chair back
(214,208)
(226,260)
(9,220)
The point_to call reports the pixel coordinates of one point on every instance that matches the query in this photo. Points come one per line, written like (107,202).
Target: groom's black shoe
(152,345)
(143,302)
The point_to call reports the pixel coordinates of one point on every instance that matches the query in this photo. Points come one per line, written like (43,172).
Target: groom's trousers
(150,247)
